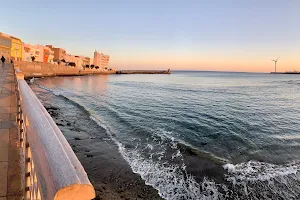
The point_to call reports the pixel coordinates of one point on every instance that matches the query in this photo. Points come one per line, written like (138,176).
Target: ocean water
(198,135)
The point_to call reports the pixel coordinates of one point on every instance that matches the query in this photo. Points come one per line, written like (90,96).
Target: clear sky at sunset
(194,35)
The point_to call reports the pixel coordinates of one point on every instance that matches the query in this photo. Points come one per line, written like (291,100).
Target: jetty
(36,161)
(144,71)
(292,72)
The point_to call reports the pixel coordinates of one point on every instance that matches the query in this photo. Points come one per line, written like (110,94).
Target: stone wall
(35,69)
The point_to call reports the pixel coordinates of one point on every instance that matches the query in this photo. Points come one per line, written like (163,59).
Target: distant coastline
(285,72)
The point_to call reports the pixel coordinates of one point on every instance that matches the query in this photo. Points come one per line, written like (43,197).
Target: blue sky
(206,35)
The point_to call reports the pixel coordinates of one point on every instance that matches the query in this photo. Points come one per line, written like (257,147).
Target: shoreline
(38,70)
(110,174)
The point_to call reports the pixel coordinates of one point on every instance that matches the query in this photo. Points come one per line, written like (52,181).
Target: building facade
(27,52)
(5,46)
(86,61)
(78,60)
(30,51)
(59,54)
(16,48)
(101,60)
(47,55)
(39,53)
(51,56)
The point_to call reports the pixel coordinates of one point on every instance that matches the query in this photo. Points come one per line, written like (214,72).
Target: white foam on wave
(171,181)
(258,171)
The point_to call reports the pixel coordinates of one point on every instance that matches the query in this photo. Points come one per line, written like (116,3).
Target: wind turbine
(275,62)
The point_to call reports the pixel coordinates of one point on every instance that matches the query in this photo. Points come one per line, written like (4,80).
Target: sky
(217,35)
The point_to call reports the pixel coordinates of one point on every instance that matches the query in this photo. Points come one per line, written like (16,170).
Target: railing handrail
(59,173)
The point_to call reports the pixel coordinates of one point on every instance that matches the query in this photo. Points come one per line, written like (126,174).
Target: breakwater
(295,72)
(32,69)
(144,71)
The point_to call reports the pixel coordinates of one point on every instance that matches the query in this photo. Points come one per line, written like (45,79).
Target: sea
(185,135)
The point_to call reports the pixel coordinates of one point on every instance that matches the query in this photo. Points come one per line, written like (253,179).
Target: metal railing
(52,170)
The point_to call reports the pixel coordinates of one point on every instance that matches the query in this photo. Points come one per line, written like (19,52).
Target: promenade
(10,170)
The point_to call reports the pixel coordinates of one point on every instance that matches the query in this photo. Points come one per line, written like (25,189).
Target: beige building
(51,56)
(59,54)
(30,51)
(101,60)
(78,60)
(86,61)
(39,52)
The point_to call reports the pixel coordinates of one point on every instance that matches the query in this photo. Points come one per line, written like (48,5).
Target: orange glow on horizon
(209,63)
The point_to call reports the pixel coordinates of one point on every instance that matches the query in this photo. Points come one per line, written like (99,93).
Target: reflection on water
(96,83)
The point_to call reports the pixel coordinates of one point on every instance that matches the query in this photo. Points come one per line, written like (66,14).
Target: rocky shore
(110,174)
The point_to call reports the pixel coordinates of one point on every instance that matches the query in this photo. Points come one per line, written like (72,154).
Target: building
(46,54)
(39,52)
(5,46)
(16,48)
(27,52)
(73,59)
(59,53)
(86,61)
(101,60)
(51,56)
(30,51)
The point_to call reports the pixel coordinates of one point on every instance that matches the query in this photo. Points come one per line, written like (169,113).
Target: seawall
(34,69)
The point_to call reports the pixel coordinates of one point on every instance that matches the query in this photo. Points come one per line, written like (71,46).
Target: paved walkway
(10,171)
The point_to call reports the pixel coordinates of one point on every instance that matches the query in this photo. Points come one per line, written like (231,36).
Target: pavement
(10,167)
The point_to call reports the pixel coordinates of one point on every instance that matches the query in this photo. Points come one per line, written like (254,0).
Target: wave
(160,162)
(260,180)
(171,180)
(253,171)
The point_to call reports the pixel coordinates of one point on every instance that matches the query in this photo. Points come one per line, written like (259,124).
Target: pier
(36,161)
(144,71)
(293,72)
